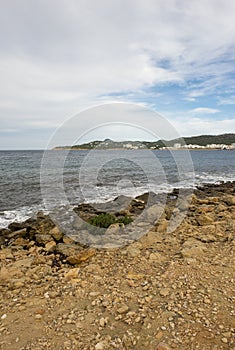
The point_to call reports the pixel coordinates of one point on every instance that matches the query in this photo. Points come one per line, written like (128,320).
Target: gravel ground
(165,291)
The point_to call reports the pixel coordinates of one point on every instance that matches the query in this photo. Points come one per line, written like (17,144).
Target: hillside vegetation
(202,140)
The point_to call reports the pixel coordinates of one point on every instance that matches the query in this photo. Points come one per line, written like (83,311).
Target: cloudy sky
(60,57)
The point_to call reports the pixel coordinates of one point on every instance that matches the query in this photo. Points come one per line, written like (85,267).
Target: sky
(59,58)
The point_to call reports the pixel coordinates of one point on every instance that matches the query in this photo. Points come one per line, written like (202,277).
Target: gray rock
(152,214)
(18,233)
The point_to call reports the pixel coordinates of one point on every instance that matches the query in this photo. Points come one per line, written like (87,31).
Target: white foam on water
(108,193)
(18,215)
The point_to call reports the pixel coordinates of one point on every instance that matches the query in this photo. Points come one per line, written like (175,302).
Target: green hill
(202,140)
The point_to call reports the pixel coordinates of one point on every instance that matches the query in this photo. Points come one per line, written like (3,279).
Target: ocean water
(37,180)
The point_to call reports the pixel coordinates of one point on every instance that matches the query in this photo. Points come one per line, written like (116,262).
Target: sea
(36,180)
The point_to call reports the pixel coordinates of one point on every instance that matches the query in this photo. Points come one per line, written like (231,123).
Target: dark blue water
(79,176)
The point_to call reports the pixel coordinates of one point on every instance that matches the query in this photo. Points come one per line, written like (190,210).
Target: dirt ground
(165,291)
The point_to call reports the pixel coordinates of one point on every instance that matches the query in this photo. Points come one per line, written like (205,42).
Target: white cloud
(204,110)
(227,100)
(57,57)
(197,126)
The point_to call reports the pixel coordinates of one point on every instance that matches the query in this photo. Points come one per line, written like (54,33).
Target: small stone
(46,295)
(224,340)
(229,199)
(163,346)
(94,294)
(72,274)
(133,252)
(3,317)
(50,246)
(68,240)
(21,242)
(56,233)
(207,300)
(43,238)
(67,344)
(227,334)
(38,317)
(67,249)
(204,219)
(100,346)
(81,257)
(105,303)
(103,322)
(19,233)
(156,257)
(19,284)
(159,335)
(164,292)
(123,309)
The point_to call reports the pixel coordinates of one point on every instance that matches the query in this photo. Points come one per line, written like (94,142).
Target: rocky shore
(166,290)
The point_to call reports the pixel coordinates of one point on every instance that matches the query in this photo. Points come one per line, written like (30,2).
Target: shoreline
(133,206)
(140,149)
(163,193)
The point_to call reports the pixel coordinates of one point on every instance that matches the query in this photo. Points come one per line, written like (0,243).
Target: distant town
(209,146)
(211,142)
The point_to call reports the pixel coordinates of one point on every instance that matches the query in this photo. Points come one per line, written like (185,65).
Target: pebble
(100,346)
(38,317)
(164,292)
(3,317)
(224,340)
(163,346)
(123,309)
(103,321)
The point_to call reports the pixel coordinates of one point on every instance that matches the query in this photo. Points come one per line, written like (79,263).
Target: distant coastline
(202,142)
(142,149)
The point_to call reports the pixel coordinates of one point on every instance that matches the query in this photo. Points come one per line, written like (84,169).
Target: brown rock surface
(166,291)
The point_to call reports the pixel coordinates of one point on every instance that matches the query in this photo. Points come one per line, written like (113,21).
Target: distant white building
(177,145)
(232,146)
(127,145)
